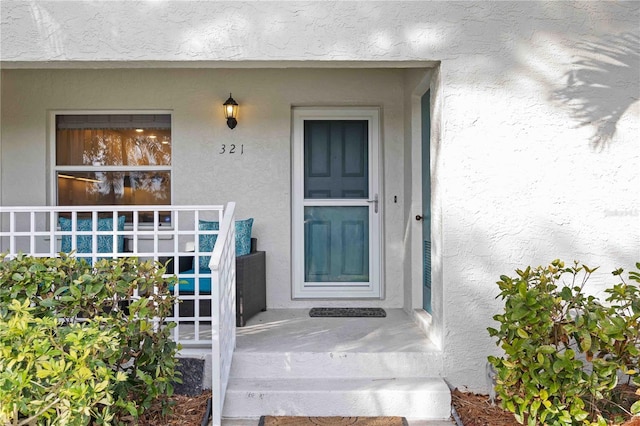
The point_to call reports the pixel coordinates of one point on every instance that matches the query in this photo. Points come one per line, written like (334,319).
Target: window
(113,159)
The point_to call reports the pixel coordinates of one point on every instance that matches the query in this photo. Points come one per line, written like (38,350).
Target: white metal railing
(204,317)
(39,231)
(223,268)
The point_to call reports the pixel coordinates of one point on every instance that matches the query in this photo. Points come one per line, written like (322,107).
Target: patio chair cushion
(207,242)
(84,242)
(251,288)
(186,285)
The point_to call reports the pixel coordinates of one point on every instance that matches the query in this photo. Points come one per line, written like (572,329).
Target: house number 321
(232,149)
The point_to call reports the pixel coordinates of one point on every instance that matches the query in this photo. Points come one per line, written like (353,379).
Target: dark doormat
(331,421)
(348,312)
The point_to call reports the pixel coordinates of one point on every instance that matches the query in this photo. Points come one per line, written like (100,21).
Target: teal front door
(335,208)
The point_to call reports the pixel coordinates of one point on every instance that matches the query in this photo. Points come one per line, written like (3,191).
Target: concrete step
(343,365)
(415,398)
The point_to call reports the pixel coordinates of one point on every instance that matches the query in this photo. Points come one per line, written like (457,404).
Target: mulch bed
(187,411)
(476,410)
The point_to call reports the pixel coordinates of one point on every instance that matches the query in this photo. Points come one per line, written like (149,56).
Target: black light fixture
(231,112)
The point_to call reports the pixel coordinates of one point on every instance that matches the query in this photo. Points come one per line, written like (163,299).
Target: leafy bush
(52,372)
(564,350)
(103,322)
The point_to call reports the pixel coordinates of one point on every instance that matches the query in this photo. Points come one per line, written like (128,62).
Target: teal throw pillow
(84,242)
(207,242)
(243,236)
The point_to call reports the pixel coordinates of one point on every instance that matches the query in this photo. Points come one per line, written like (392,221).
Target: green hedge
(76,346)
(564,350)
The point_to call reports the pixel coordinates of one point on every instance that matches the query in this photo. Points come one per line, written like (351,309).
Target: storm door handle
(375,203)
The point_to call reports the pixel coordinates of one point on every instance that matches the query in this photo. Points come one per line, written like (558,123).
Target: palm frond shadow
(594,92)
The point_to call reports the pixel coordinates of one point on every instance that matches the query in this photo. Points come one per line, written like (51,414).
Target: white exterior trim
(329,290)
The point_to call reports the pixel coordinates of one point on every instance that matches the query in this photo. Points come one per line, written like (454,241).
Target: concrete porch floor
(280,332)
(292,330)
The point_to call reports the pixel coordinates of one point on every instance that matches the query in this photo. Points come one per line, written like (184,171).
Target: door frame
(374,288)
(432,323)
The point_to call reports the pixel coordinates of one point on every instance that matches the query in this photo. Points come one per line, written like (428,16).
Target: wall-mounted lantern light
(231,112)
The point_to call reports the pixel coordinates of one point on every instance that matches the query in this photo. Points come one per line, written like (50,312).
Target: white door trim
(329,290)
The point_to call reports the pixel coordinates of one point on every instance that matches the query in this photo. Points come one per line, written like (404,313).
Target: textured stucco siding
(259,180)
(324,31)
(535,142)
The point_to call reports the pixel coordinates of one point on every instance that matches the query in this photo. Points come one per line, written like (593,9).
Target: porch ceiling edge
(215,64)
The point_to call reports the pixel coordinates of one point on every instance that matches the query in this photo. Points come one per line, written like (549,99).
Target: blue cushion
(84,242)
(207,242)
(187,285)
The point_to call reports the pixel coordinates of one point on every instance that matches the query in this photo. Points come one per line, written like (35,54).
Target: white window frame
(54,168)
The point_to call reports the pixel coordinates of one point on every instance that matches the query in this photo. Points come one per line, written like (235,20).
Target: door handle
(419,217)
(375,203)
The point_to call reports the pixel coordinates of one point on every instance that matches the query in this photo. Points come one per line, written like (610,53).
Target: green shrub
(564,350)
(54,373)
(113,298)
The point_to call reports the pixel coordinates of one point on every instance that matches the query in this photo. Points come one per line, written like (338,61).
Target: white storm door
(336,209)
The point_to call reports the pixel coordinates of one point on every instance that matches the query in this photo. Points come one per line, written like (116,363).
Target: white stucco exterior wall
(259,180)
(535,155)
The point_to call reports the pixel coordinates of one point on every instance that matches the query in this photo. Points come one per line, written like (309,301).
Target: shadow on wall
(507,235)
(594,92)
(472,292)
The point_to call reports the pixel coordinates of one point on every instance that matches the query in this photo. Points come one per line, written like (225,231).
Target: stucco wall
(537,154)
(258,180)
